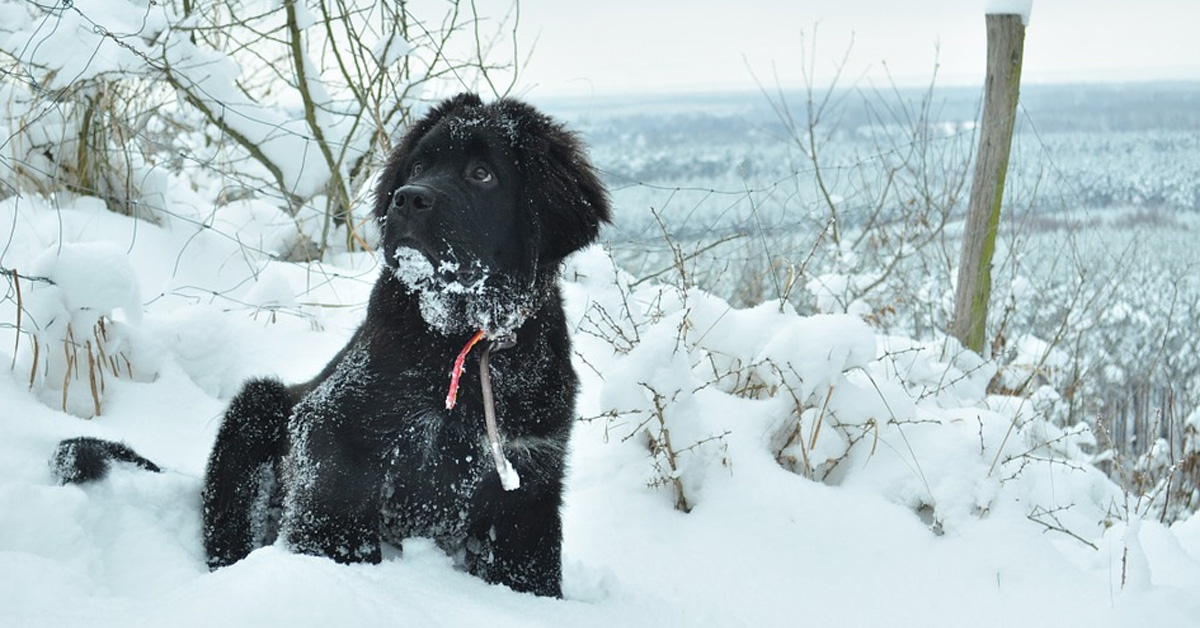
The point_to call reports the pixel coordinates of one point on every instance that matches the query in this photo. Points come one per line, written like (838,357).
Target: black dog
(478,206)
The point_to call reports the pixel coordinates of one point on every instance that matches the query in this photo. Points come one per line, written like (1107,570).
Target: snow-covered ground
(834,476)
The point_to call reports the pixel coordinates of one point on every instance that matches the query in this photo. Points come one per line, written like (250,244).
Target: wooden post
(1006,43)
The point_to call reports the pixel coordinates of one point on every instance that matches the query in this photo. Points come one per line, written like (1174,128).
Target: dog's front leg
(332,503)
(240,483)
(517,539)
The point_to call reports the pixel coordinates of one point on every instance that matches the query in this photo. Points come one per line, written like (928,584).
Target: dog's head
(479,204)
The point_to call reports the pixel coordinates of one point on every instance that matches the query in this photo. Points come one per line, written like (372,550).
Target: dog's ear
(390,178)
(571,201)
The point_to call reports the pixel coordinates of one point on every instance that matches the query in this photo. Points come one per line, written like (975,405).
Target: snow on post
(1009,7)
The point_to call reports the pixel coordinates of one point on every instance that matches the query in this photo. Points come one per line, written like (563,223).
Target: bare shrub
(296,103)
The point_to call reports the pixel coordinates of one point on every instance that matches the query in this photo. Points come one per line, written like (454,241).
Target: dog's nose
(412,199)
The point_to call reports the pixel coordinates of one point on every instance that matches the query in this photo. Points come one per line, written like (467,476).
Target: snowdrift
(730,467)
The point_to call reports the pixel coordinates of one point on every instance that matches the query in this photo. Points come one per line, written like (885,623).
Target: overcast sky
(606,47)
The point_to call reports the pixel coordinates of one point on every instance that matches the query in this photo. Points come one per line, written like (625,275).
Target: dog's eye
(417,168)
(482,174)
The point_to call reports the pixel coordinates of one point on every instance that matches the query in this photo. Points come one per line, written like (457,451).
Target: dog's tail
(86,459)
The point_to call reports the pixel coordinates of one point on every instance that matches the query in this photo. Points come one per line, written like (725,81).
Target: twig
(17,337)
(92,379)
(1038,511)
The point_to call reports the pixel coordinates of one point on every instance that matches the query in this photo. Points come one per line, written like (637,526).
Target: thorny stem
(662,443)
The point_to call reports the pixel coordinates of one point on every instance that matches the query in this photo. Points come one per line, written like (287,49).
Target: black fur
(478,206)
(84,459)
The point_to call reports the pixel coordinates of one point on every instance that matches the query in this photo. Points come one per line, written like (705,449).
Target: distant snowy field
(835,476)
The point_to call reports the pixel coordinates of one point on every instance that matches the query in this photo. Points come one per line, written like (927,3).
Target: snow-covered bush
(1163,482)
(707,391)
(294,102)
(76,342)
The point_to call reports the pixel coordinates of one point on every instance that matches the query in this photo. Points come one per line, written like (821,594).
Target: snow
(909,496)
(1009,7)
(440,295)
(391,50)
(509,478)
(70,267)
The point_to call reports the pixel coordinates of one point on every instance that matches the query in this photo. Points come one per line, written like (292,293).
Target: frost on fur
(83,459)
(453,305)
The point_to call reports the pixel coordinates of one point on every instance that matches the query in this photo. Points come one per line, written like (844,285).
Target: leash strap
(456,372)
(509,478)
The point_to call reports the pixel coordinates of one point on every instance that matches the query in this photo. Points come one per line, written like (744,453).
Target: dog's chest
(434,475)
(438,458)
(437,468)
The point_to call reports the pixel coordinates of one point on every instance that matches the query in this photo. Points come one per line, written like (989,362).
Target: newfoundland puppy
(447,415)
